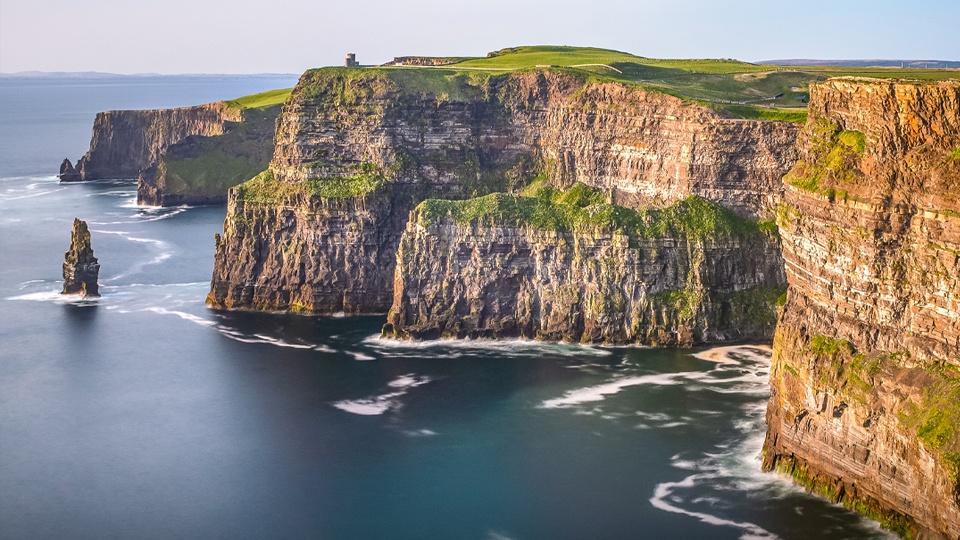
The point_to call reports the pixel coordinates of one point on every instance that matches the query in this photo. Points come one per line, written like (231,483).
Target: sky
(288,36)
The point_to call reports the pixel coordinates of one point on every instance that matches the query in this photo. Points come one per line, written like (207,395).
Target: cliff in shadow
(866,375)
(188,155)
(126,142)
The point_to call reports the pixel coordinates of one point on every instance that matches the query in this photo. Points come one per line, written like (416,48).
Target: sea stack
(80,267)
(68,173)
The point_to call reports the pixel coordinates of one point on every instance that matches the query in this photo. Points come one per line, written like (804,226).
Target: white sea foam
(31,195)
(237,335)
(600,392)
(420,433)
(181,314)
(382,403)
(55,297)
(459,347)
(662,499)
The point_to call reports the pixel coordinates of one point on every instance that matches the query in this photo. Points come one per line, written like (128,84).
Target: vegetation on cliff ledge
(264,188)
(583,208)
(833,161)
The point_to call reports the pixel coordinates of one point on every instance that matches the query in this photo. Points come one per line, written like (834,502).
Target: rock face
(199,169)
(80,267)
(126,142)
(68,173)
(499,276)
(188,155)
(361,148)
(866,376)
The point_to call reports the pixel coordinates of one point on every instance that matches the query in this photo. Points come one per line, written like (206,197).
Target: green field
(737,89)
(263,99)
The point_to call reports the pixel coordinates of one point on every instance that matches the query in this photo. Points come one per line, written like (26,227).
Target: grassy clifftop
(262,100)
(581,207)
(737,89)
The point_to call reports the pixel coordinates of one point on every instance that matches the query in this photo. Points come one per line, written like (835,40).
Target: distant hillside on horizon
(925,64)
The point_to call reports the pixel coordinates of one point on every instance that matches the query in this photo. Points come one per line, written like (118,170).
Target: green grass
(736,89)
(209,174)
(835,161)
(683,301)
(207,166)
(936,416)
(357,85)
(367,179)
(955,154)
(797,116)
(581,208)
(828,347)
(264,188)
(514,58)
(263,99)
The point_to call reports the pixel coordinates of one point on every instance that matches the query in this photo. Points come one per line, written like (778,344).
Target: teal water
(145,415)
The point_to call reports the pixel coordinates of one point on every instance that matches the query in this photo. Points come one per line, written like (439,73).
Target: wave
(382,403)
(662,496)
(56,297)
(600,392)
(181,314)
(165,251)
(4,197)
(459,347)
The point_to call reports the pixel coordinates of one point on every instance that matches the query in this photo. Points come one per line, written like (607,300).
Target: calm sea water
(144,415)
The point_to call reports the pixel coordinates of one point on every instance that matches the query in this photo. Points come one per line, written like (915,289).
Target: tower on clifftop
(351,60)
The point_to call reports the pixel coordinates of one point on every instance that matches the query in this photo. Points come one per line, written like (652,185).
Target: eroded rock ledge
(866,375)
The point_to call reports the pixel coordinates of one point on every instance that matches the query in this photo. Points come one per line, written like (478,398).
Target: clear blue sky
(220,36)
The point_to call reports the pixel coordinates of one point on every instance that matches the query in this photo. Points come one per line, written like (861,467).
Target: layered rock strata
(866,375)
(126,142)
(663,280)
(80,267)
(361,148)
(188,155)
(200,169)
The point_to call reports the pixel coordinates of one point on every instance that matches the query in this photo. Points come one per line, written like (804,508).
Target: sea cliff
(866,374)
(357,150)
(555,268)
(188,155)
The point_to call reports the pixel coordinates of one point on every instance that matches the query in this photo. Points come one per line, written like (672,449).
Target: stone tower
(351,60)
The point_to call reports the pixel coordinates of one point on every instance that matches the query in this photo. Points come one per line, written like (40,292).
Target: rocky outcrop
(662,281)
(126,142)
(201,168)
(80,267)
(68,173)
(361,148)
(866,375)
